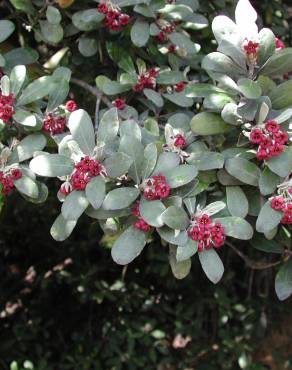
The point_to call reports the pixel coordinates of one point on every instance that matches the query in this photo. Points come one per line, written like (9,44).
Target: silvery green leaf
(26,148)
(27,186)
(95,191)
(6,29)
(74,205)
(36,90)
(120,198)
(150,159)
(237,201)
(117,164)
(128,246)
(180,269)
(108,126)
(180,175)
(81,128)
(236,227)
(152,211)
(186,250)
(166,161)
(175,218)
(268,218)
(51,165)
(211,265)
(243,170)
(283,282)
(140,33)
(87,20)
(17,78)
(213,208)
(62,229)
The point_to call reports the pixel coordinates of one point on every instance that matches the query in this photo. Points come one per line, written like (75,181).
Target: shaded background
(68,306)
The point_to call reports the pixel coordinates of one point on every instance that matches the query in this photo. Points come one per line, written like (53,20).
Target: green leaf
(121,57)
(17,78)
(109,87)
(6,29)
(128,246)
(278,64)
(281,95)
(196,22)
(95,191)
(243,170)
(268,181)
(180,175)
(52,33)
(171,236)
(42,194)
(220,63)
(211,265)
(152,211)
(140,33)
(170,77)
(282,165)
(26,148)
(74,205)
(53,15)
(52,165)
(177,11)
(249,88)
(175,218)
(237,202)
(58,96)
(20,56)
(120,198)
(283,282)
(184,43)
(206,161)
(268,218)
(154,97)
(25,118)
(87,20)
(23,5)
(179,99)
(267,46)
(81,128)
(135,150)
(62,229)
(150,159)
(186,250)
(236,227)
(117,164)
(180,269)
(38,89)
(207,123)
(197,90)
(87,46)
(27,186)
(109,126)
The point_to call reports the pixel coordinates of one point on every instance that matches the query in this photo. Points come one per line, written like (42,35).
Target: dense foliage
(182,150)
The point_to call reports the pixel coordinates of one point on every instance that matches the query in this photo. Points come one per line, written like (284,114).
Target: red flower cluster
(54,125)
(7,179)
(179,87)
(251,48)
(283,204)
(114,19)
(65,188)
(71,106)
(6,107)
(271,140)
(156,187)
(119,103)
(146,80)
(162,36)
(85,170)
(180,141)
(279,44)
(140,224)
(172,48)
(208,233)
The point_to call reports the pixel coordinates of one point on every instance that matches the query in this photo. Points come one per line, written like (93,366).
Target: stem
(96,119)
(93,90)
(254,265)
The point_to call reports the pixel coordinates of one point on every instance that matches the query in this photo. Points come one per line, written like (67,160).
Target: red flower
(124,19)
(71,106)
(54,125)
(141,224)
(272,126)
(180,86)
(256,136)
(156,187)
(16,173)
(119,103)
(279,44)
(180,141)
(161,37)
(172,48)
(251,48)
(102,8)
(278,203)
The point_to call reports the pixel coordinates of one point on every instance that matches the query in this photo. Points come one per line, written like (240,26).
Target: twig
(93,90)
(254,265)
(96,119)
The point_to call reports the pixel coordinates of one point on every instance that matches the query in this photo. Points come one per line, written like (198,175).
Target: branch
(93,90)
(96,119)
(254,265)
